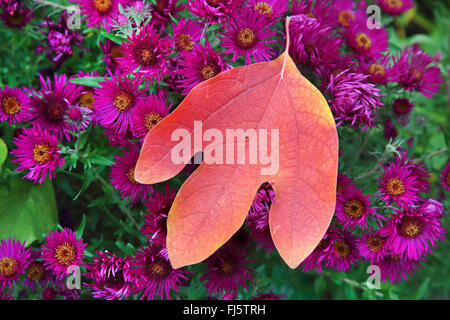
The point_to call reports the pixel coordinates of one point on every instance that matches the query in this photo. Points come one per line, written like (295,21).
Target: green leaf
(27,210)
(3,152)
(112,37)
(422,290)
(88,81)
(80,229)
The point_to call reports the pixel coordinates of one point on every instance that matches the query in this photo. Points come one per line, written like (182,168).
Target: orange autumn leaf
(214,201)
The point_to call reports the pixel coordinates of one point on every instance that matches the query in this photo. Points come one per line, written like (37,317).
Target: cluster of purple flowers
(171,54)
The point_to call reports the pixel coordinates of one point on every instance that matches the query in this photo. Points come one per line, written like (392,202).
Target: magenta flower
(319,9)
(395,268)
(36,272)
(353,208)
(372,245)
(431,207)
(402,106)
(227,271)
(155,225)
(49,105)
(343,181)
(146,51)
(270,295)
(418,170)
(413,231)
(258,218)
(344,252)
(380,70)
(16,15)
(270,9)
(162,10)
(395,7)
(112,51)
(343,13)
(38,152)
(79,117)
(115,100)
(186,33)
(313,43)
(148,113)
(366,42)
(118,140)
(353,99)
(14,105)
(122,176)
(397,185)
(445,177)
(416,72)
(62,250)
(111,276)
(389,130)
(213,9)
(154,274)
(201,64)
(322,253)
(247,35)
(14,260)
(99,13)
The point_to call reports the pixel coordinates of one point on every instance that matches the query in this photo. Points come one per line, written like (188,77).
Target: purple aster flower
(154,274)
(412,231)
(38,152)
(51,102)
(15,15)
(268,296)
(148,51)
(201,64)
(353,208)
(112,51)
(213,9)
(62,250)
(258,218)
(313,43)
(270,9)
(118,140)
(14,105)
(416,72)
(366,42)
(99,13)
(319,9)
(321,253)
(389,130)
(14,260)
(59,39)
(380,70)
(432,207)
(402,106)
(445,177)
(162,10)
(372,245)
(353,99)
(155,225)
(186,33)
(79,117)
(397,185)
(395,268)
(36,272)
(343,13)
(344,252)
(115,100)
(247,34)
(111,276)
(122,176)
(395,7)
(227,271)
(148,113)
(343,181)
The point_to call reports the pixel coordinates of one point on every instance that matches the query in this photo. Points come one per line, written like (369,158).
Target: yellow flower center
(395,187)
(208,71)
(102,6)
(65,254)
(375,243)
(227,267)
(123,101)
(87,99)
(410,227)
(11,105)
(130,175)
(345,17)
(41,153)
(35,271)
(363,41)
(185,42)
(376,69)
(263,8)
(395,4)
(354,208)
(151,120)
(342,248)
(246,38)
(8,267)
